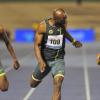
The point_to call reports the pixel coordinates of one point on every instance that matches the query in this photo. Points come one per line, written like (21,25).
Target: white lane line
(27,96)
(86,76)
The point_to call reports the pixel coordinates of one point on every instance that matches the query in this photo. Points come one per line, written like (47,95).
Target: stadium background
(14,15)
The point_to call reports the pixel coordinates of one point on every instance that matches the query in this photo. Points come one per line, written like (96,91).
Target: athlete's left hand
(77,44)
(16,64)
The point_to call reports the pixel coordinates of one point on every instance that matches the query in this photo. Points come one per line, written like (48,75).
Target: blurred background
(24,14)
(82,80)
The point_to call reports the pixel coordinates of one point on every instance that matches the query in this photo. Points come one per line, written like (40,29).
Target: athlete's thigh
(3,78)
(37,73)
(58,68)
(2,72)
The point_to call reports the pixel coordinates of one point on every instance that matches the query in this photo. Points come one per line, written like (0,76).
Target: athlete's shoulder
(42,26)
(42,23)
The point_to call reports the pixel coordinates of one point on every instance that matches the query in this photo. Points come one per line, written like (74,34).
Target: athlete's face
(60,19)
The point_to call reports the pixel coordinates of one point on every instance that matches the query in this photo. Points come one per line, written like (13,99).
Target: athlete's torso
(53,42)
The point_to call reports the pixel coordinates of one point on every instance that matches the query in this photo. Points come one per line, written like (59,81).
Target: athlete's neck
(52,22)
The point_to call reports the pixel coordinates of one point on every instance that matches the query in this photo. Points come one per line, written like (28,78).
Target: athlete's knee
(58,81)
(34,82)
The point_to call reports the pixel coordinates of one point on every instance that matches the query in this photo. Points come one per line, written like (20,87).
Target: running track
(82,79)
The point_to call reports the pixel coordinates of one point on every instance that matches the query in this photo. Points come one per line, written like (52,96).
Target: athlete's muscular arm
(69,37)
(77,44)
(9,47)
(37,49)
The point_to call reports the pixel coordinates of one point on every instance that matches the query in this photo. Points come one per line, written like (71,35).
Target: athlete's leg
(58,77)
(3,81)
(34,81)
(57,88)
(37,76)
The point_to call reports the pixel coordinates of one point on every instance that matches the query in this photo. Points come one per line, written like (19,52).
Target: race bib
(55,41)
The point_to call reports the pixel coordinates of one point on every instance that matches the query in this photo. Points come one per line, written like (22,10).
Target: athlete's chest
(54,38)
(54,30)
(55,41)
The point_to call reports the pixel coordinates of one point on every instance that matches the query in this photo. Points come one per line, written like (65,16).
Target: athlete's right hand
(42,65)
(16,64)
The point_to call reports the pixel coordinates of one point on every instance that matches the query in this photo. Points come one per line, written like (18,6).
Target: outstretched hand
(77,44)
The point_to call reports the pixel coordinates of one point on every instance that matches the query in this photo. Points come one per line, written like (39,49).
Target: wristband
(73,41)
